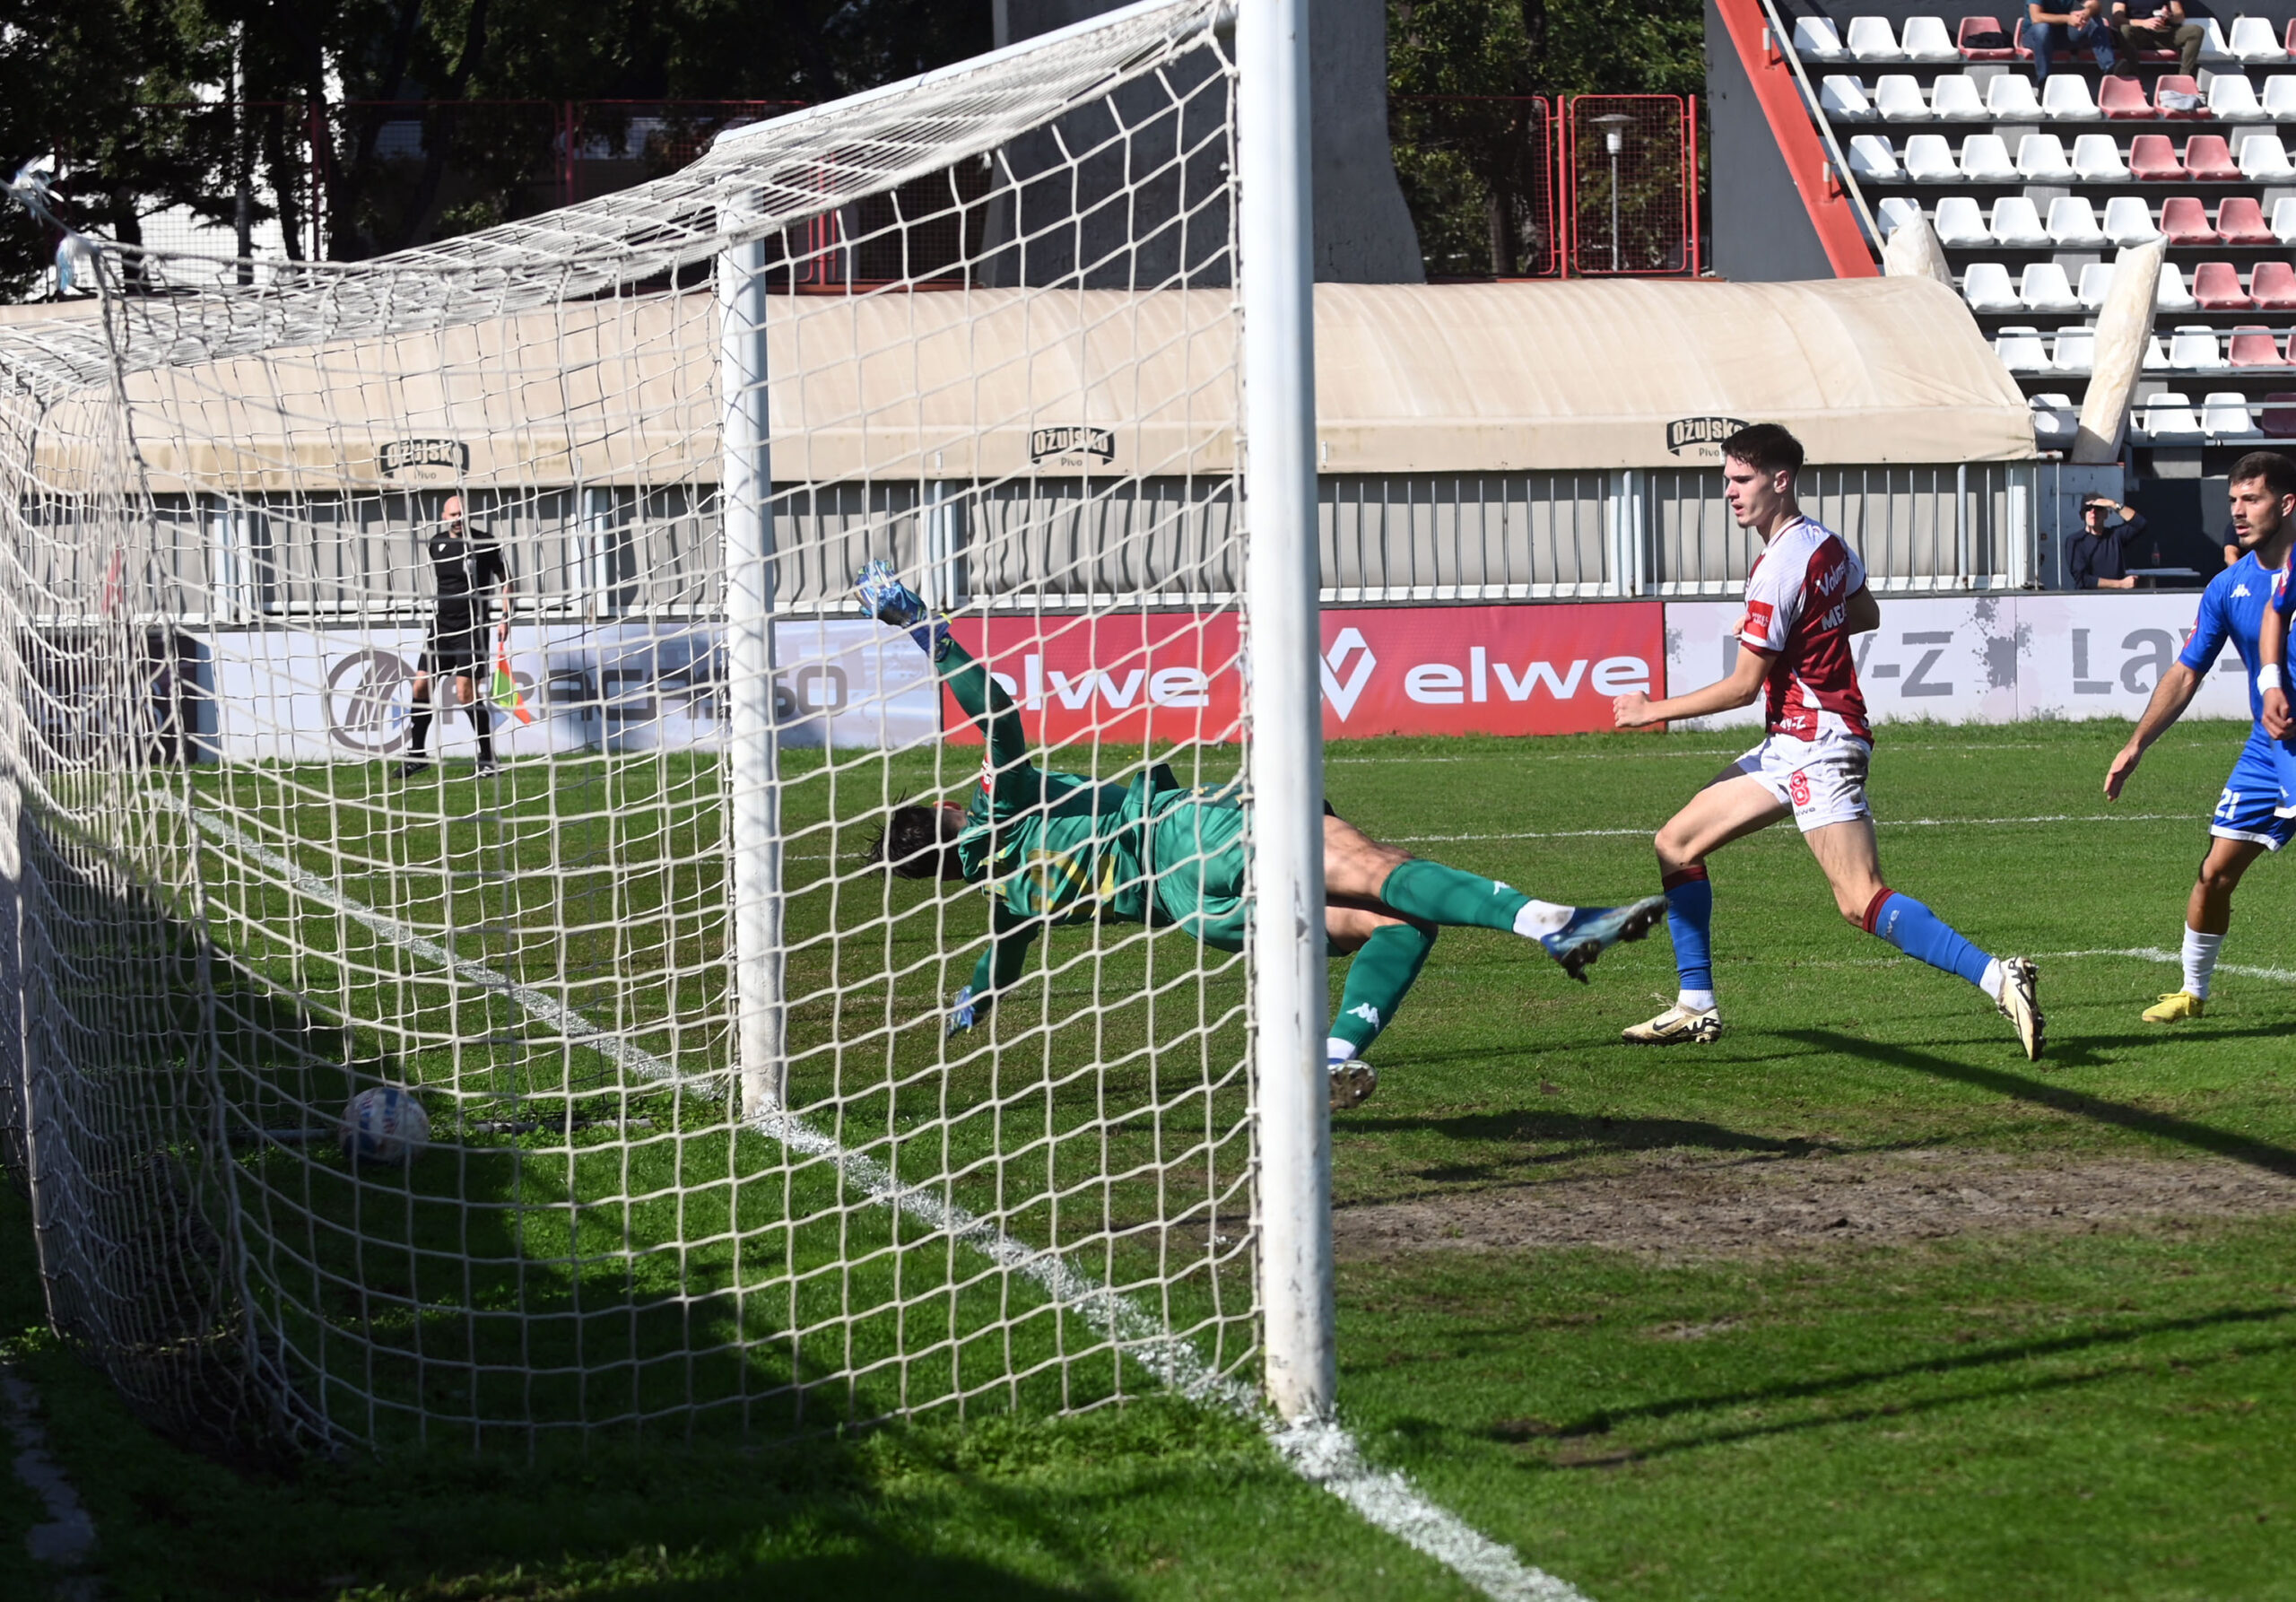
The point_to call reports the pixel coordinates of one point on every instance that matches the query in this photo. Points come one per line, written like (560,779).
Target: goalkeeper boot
(1594,930)
(2020,1003)
(1353,1081)
(2175,1007)
(886,598)
(1675,1026)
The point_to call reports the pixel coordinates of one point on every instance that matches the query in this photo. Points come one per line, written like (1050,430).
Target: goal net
(703,1153)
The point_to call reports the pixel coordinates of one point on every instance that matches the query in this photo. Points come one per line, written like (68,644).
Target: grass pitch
(1854,1302)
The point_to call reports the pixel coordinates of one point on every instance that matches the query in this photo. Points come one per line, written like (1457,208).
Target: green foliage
(1470,154)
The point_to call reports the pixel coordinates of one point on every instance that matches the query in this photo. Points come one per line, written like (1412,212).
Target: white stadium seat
(2232,97)
(2263,157)
(2170,294)
(2075,351)
(1929,159)
(2283,219)
(2073,221)
(2252,40)
(1984,160)
(2279,98)
(1961,222)
(2213,47)
(2129,221)
(1985,286)
(2016,223)
(2169,415)
(2021,349)
(1843,99)
(1870,157)
(2156,356)
(2042,156)
(2195,350)
(1898,98)
(2043,287)
(1926,40)
(2097,158)
(1896,211)
(2055,421)
(2225,412)
(2066,95)
(1814,40)
(2009,95)
(2096,279)
(1955,95)
(1871,40)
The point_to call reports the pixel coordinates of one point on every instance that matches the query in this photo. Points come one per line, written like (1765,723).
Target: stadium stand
(2032,186)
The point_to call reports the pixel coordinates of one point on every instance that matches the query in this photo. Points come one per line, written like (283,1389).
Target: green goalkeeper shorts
(1197,855)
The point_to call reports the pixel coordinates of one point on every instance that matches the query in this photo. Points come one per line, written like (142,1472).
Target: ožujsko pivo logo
(1700,436)
(395,456)
(1070,442)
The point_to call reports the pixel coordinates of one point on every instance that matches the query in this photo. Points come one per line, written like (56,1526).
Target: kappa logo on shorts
(1799,788)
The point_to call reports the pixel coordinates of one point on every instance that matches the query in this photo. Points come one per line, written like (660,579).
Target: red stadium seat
(2025,51)
(2185,220)
(2256,347)
(2279,416)
(2288,42)
(2216,285)
(2176,80)
(2152,157)
(1970,25)
(2209,160)
(2241,221)
(2123,97)
(2274,286)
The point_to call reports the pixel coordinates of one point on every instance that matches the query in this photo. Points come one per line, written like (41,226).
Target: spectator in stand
(2083,27)
(2158,25)
(2093,558)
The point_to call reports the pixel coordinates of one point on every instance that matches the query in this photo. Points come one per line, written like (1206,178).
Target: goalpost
(704,1151)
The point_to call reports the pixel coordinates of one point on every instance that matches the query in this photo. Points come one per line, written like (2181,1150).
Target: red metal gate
(1631,206)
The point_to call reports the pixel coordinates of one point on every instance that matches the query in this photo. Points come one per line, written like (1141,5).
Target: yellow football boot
(2175,1007)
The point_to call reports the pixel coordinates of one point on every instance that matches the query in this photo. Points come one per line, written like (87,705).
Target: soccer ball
(385,1124)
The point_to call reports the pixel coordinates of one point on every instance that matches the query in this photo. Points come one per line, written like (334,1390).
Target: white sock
(2200,960)
(1541,917)
(1991,983)
(1695,1001)
(1339,1051)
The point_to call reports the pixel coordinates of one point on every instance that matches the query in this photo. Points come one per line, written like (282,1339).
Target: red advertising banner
(1400,670)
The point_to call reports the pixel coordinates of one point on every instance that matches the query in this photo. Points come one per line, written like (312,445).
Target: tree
(1468,146)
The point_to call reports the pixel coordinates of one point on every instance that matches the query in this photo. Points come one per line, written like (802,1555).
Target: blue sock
(1690,920)
(1916,931)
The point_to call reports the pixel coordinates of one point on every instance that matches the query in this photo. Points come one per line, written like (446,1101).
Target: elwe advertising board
(1422,670)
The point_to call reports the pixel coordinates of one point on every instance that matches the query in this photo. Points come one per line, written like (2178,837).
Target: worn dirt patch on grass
(1677,1206)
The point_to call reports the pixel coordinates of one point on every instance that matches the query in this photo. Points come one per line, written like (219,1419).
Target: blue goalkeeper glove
(886,598)
(966,1010)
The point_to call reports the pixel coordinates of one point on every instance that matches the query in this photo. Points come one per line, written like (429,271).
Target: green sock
(1433,893)
(1378,980)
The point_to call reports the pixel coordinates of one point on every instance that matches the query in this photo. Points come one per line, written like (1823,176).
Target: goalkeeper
(1059,847)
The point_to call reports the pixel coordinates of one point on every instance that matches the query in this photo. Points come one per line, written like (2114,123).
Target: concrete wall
(1762,231)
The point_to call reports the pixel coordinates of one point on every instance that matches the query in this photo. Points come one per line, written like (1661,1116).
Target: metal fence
(633,551)
(1633,175)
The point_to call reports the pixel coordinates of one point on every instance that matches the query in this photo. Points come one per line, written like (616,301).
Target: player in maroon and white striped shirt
(1806,598)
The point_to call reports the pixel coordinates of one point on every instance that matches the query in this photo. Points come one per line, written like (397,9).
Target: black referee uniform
(466,567)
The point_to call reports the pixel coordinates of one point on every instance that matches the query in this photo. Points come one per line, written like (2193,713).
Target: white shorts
(1822,780)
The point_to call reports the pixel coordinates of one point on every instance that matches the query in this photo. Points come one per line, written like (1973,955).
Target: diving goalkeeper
(1059,847)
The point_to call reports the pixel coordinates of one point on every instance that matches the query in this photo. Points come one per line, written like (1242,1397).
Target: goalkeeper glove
(886,598)
(967,1010)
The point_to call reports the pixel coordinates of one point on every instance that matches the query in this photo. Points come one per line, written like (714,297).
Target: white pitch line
(2102,818)
(1321,1452)
(2153,954)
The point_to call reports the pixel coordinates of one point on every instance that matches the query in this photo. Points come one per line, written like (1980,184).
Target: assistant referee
(464,563)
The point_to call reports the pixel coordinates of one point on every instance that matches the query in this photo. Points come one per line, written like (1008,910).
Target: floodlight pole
(1277,282)
(745,507)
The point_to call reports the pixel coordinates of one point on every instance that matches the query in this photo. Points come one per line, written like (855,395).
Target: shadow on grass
(1603,1422)
(2161,1126)
(1578,1130)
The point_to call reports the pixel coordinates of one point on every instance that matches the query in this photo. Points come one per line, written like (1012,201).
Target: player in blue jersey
(2252,815)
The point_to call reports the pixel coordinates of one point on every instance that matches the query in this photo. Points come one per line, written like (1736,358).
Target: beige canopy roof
(989,383)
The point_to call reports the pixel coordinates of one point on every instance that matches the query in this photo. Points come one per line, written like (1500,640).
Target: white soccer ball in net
(385,1124)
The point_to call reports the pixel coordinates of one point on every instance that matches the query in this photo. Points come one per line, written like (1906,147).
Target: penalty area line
(1319,1451)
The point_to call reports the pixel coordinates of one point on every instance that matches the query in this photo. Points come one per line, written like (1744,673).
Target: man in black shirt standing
(464,564)
(2093,558)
